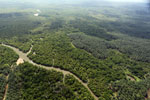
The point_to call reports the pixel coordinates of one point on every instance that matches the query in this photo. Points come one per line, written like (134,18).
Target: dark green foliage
(102,49)
(56,50)
(7,58)
(19,25)
(78,88)
(58,23)
(91,29)
(29,82)
(120,61)
(104,41)
(14,90)
(135,27)
(22,43)
(5,69)
(129,89)
(136,48)
(97,47)
(100,88)
(2,86)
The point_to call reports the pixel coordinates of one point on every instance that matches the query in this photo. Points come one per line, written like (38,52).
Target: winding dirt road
(25,58)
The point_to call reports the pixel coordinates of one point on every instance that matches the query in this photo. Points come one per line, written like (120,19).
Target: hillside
(74,51)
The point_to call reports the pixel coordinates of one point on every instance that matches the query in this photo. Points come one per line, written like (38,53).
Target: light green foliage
(96,43)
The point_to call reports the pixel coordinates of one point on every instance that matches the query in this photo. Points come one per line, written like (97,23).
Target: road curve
(25,58)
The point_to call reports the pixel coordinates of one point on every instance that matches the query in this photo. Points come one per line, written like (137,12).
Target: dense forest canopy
(99,50)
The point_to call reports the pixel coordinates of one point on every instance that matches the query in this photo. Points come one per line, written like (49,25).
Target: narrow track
(25,58)
(6,89)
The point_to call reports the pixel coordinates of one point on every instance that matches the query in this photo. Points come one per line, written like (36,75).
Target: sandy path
(6,89)
(25,58)
(19,61)
(148,94)
(5,94)
(131,78)
(29,50)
